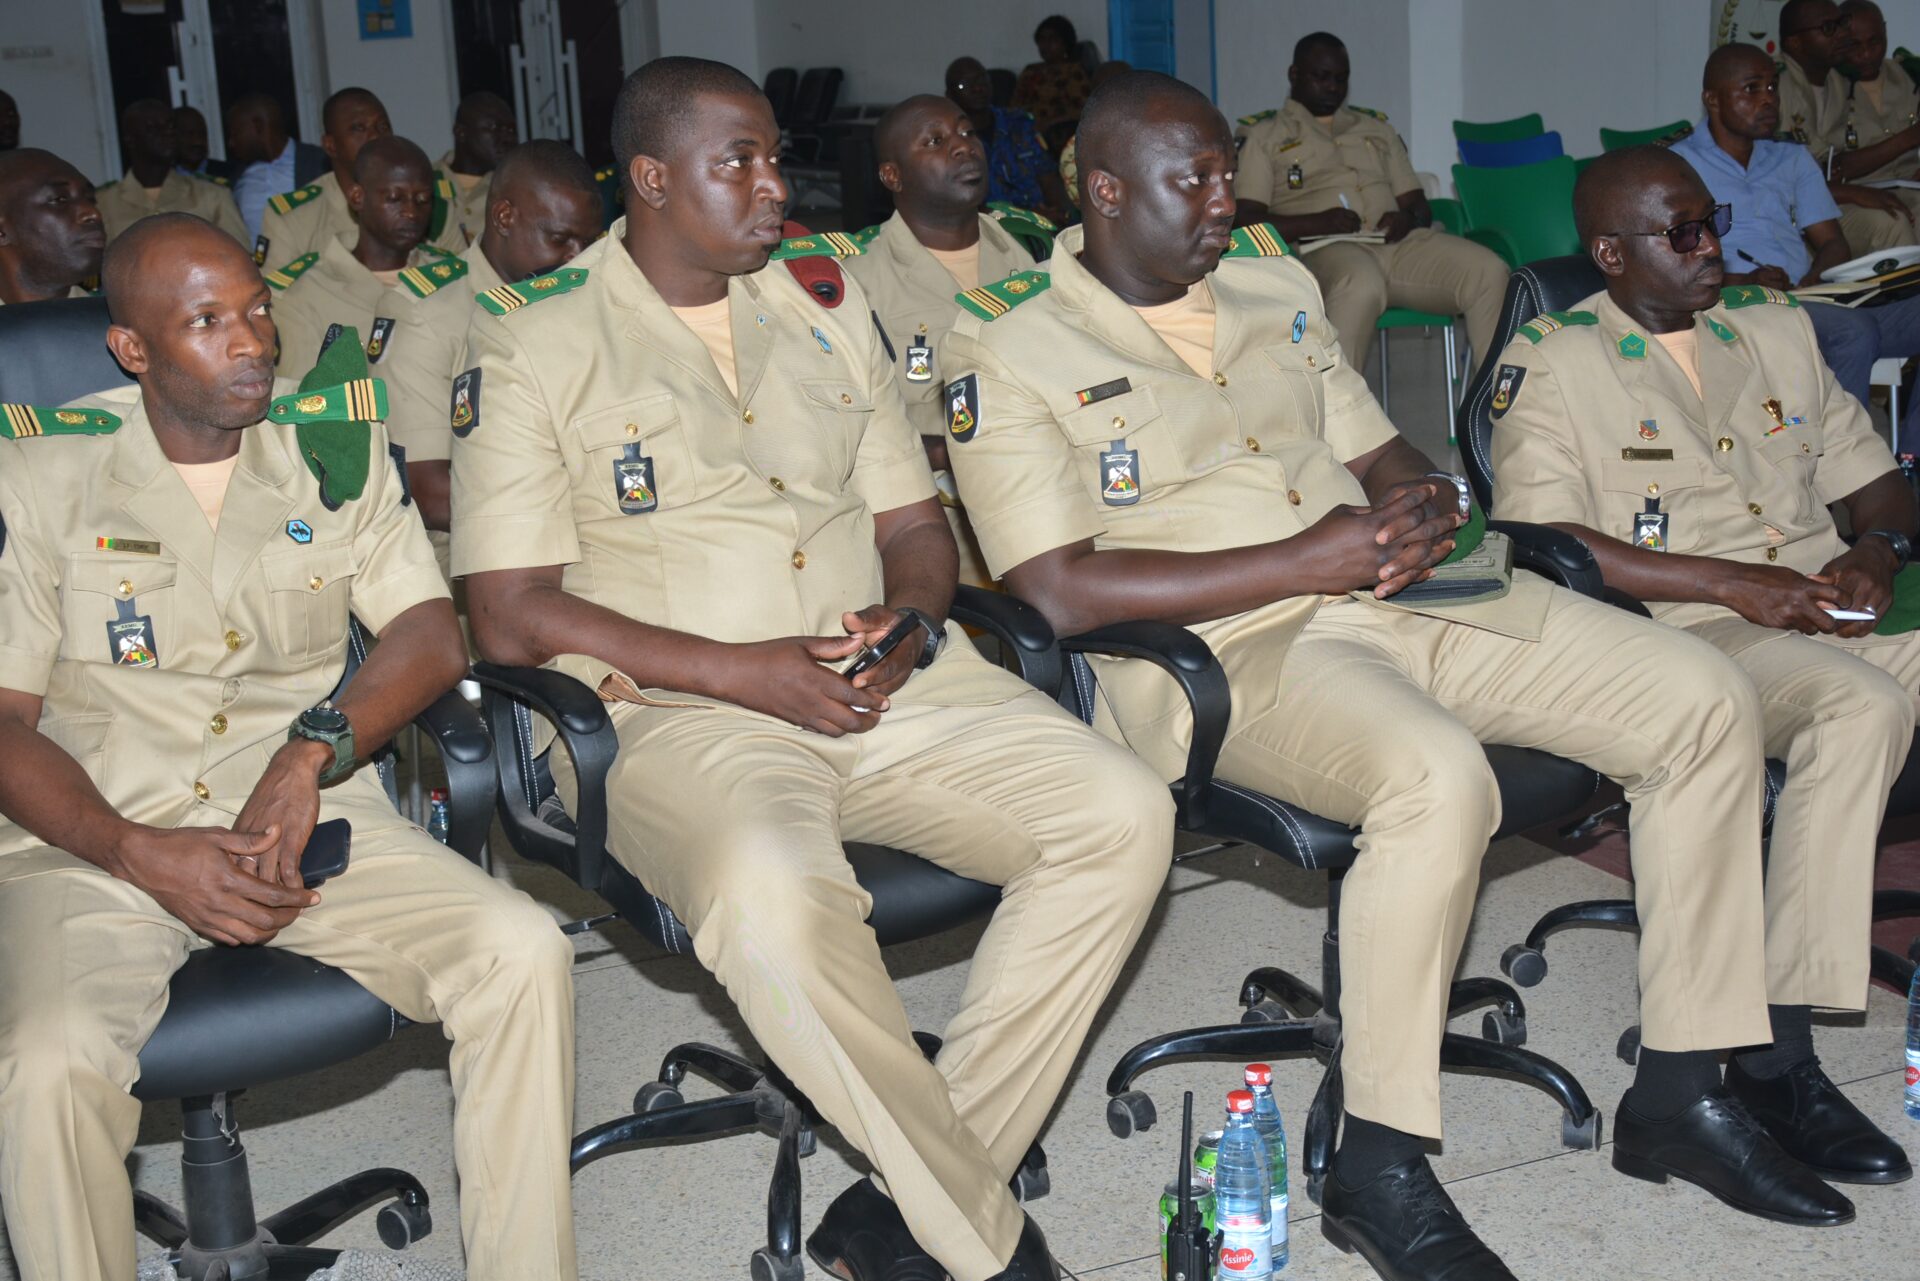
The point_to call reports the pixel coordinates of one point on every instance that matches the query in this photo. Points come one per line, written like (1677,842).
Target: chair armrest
(1024,634)
(1553,554)
(1620,600)
(587,733)
(1498,241)
(1186,658)
(466,750)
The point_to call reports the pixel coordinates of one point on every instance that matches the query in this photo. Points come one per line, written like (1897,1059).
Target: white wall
(727,31)
(414,77)
(1256,39)
(46,65)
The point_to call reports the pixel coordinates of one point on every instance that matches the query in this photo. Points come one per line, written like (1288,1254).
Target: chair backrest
(819,90)
(1621,139)
(56,351)
(1554,284)
(780,86)
(1525,126)
(1531,204)
(1505,155)
(1003,82)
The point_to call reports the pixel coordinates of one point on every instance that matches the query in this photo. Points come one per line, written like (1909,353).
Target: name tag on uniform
(1646,455)
(919,360)
(130,638)
(1119,475)
(633,484)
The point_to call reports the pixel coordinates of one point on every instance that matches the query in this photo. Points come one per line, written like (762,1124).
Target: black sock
(1667,1083)
(1367,1147)
(1792,1043)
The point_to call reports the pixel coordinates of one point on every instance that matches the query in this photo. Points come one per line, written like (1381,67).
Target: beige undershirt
(1684,346)
(207,482)
(1875,89)
(466,181)
(387,278)
(713,325)
(1186,325)
(152,194)
(962,264)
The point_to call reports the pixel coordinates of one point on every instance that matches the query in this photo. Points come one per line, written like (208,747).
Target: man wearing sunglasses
(1690,434)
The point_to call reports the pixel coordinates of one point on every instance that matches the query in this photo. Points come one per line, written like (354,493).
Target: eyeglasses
(1830,27)
(1685,236)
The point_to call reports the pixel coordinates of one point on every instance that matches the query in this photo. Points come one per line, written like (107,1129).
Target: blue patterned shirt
(1017,160)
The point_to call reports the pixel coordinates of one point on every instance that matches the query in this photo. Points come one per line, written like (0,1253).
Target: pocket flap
(1114,418)
(627,424)
(1293,356)
(833,394)
(112,575)
(1621,476)
(308,569)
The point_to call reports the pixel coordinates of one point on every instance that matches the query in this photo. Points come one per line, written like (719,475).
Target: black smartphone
(872,654)
(326,852)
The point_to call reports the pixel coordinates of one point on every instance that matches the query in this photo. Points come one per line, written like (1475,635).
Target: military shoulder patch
(283,277)
(505,298)
(288,201)
(1736,296)
(1368,111)
(424,280)
(1540,326)
(358,401)
(17,422)
(866,235)
(1258,241)
(1258,116)
(990,302)
(963,408)
(837,244)
(1003,211)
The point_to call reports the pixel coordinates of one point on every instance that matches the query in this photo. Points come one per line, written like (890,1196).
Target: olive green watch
(327,724)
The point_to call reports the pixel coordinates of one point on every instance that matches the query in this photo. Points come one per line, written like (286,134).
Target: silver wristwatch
(1460,484)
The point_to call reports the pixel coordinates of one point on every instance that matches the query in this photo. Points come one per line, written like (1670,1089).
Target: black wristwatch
(327,724)
(1901,544)
(936,635)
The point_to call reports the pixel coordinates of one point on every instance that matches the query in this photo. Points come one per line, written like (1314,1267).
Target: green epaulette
(837,244)
(1540,326)
(1736,296)
(287,201)
(357,400)
(1254,119)
(505,298)
(332,416)
(990,302)
(1369,111)
(1002,211)
(17,422)
(1258,241)
(866,235)
(285,276)
(424,280)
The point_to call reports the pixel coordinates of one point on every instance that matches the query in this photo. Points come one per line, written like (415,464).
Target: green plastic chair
(1621,139)
(1529,208)
(1529,126)
(1447,214)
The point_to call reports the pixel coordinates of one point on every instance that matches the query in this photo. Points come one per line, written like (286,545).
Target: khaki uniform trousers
(1376,720)
(736,821)
(87,959)
(1870,230)
(1429,270)
(1841,715)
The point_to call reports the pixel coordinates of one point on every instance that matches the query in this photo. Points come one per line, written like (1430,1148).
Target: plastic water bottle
(1913,1047)
(1242,1205)
(1266,1120)
(437,818)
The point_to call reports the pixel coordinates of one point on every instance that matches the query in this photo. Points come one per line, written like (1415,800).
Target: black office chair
(912,899)
(1558,284)
(1283,1013)
(780,86)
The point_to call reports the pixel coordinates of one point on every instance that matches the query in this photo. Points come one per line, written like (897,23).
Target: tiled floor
(695,1212)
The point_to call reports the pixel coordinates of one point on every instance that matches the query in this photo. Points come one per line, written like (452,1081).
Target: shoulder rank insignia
(1540,326)
(866,235)
(17,422)
(1725,333)
(990,302)
(820,243)
(283,277)
(332,417)
(1003,211)
(1368,111)
(287,201)
(505,298)
(1258,116)
(1737,296)
(359,400)
(1258,241)
(424,280)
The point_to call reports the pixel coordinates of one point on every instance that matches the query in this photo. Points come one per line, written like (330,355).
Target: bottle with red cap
(1242,1196)
(1266,1120)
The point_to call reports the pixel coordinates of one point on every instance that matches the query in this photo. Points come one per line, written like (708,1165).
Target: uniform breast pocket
(1304,366)
(1630,489)
(839,412)
(103,602)
(1795,454)
(309,594)
(634,458)
(1127,451)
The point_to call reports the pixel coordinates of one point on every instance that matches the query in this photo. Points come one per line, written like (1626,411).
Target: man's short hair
(338,100)
(1793,15)
(546,161)
(1110,122)
(120,266)
(1616,178)
(392,151)
(1721,61)
(1314,41)
(657,101)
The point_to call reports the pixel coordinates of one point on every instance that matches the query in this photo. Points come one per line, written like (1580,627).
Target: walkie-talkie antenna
(1188,1243)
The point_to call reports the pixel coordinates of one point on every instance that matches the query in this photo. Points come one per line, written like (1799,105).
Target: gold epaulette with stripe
(1540,326)
(1737,296)
(819,244)
(284,277)
(1247,122)
(990,302)
(360,401)
(287,201)
(17,422)
(1258,241)
(1003,211)
(505,298)
(424,280)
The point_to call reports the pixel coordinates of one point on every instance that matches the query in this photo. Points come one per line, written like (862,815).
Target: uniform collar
(1343,117)
(651,322)
(999,256)
(1642,365)
(1104,313)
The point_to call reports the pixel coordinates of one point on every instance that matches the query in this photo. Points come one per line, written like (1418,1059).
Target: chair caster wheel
(656,1096)
(1628,1047)
(1130,1112)
(1029,1184)
(1267,1011)
(1583,1136)
(1503,1029)
(401,1224)
(768,1266)
(1524,965)
(1316,1185)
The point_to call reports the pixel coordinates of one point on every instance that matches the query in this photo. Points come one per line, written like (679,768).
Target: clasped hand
(789,677)
(1384,548)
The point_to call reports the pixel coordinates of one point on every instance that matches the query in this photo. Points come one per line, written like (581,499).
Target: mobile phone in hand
(871,656)
(326,853)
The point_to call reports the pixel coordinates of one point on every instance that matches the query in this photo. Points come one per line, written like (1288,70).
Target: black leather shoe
(1407,1227)
(1716,1144)
(863,1238)
(1032,1260)
(1820,1127)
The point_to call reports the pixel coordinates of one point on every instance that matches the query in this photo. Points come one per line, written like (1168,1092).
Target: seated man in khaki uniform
(937,239)
(483,132)
(1317,167)
(341,283)
(1152,432)
(1693,439)
(51,236)
(546,209)
(307,219)
(1883,106)
(169,749)
(152,185)
(681,478)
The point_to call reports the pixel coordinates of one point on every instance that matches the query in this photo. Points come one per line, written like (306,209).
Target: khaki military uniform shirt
(1899,110)
(1600,422)
(334,290)
(466,207)
(308,226)
(248,626)
(125,202)
(1815,115)
(424,350)
(1296,165)
(912,294)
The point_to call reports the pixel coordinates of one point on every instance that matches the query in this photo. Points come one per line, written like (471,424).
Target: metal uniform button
(779,486)
(1754,508)
(234,640)
(845,399)
(218,724)
(747,417)
(1293,496)
(1653,489)
(1220,380)
(1119,423)
(316,583)
(1805,448)
(1253,444)
(1773,553)
(202,791)
(1726,444)
(126,587)
(633,429)
(1312,363)
(799,560)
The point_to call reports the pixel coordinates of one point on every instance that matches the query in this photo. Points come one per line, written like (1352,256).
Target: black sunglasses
(1685,236)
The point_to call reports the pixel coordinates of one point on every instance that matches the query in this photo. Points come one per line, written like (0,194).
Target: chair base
(759,1096)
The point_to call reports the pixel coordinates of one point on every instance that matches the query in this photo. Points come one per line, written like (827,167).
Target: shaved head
(542,209)
(1732,63)
(658,102)
(1619,187)
(141,264)
(548,163)
(891,135)
(1111,124)
(380,159)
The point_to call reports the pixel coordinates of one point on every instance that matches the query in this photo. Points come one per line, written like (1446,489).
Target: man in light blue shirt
(1786,227)
(265,160)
